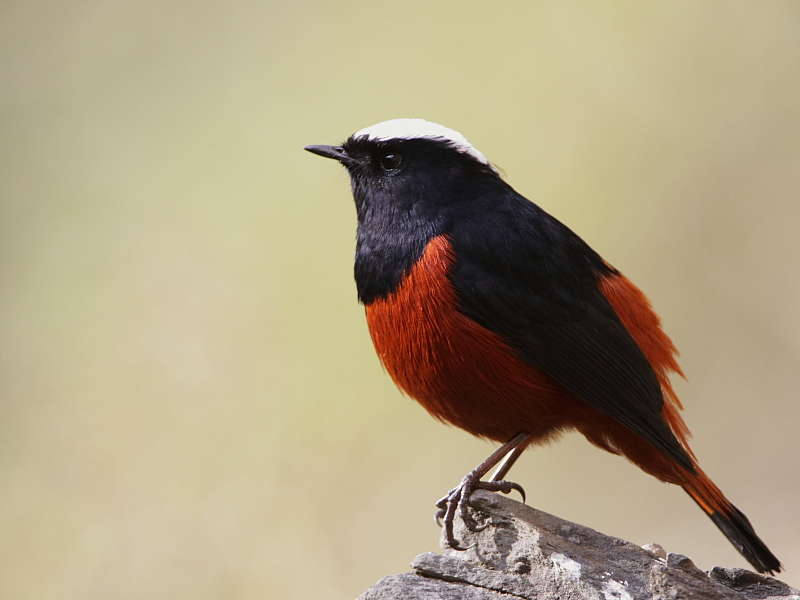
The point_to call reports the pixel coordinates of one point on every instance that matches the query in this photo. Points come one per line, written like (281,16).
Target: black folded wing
(535,284)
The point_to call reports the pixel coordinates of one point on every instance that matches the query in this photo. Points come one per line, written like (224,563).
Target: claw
(519,489)
(479,528)
(455,545)
(506,487)
(439,515)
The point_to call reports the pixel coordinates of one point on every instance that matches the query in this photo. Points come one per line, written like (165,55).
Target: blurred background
(190,406)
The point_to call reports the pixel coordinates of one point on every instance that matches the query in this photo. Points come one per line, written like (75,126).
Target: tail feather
(732,523)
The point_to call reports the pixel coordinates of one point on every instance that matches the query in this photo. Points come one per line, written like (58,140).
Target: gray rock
(753,585)
(526,553)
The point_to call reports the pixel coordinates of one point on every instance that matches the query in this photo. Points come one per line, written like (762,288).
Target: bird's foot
(457,500)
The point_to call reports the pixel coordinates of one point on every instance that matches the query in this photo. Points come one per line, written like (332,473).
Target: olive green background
(190,406)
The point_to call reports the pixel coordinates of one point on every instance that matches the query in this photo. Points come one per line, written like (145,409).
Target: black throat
(389,240)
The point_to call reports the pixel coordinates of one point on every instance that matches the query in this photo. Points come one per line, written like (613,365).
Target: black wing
(525,276)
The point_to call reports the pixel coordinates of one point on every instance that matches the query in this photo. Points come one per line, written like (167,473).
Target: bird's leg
(506,464)
(457,498)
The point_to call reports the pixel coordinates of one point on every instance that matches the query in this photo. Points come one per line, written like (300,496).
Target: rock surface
(526,553)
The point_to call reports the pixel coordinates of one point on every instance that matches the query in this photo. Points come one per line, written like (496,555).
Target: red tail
(731,522)
(644,326)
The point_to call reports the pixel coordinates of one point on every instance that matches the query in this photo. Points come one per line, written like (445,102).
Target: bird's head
(410,165)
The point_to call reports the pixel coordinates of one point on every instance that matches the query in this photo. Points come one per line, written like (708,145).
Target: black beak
(335,152)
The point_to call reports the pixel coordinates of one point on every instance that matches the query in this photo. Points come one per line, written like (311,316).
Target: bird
(499,319)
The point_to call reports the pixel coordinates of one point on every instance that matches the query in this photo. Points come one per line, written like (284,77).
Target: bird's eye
(390,162)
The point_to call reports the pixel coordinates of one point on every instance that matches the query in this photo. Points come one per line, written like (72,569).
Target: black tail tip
(741,534)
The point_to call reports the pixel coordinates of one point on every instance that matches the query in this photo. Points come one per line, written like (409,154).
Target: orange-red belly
(459,371)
